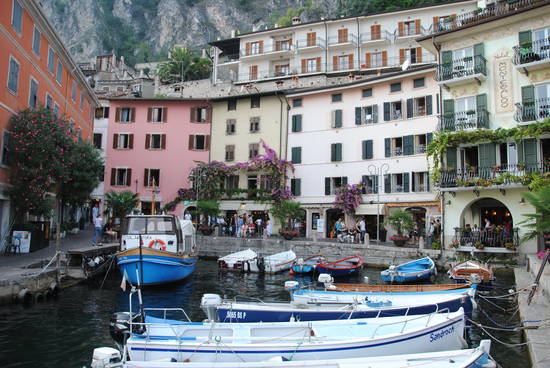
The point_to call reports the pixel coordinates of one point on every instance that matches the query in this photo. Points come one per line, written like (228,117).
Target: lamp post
(377,171)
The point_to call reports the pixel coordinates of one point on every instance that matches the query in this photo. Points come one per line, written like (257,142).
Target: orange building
(36,69)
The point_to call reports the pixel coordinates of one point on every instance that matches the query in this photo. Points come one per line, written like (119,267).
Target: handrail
(164,310)
(49,263)
(408,320)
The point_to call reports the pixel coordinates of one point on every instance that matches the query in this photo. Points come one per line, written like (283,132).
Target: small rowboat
(343,267)
(471,272)
(394,288)
(275,263)
(238,261)
(419,269)
(308,264)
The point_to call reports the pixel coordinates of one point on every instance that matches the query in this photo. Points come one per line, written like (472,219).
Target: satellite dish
(406,65)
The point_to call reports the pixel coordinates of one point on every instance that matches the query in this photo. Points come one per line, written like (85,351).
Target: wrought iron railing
(267,49)
(504,174)
(396,188)
(537,110)
(495,236)
(397,151)
(338,40)
(414,31)
(316,42)
(419,148)
(492,10)
(470,119)
(383,35)
(529,52)
(460,68)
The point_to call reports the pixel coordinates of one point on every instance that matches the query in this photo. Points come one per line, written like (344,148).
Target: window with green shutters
(367,153)
(366,115)
(366,92)
(448,118)
(405,182)
(296,187)
(336,97)
(528,110)
(408,145)
(487,159)
(387,183)
(370,184)
(337,118)
(296,155)
(336,152)
(331,184)
(296,123)
(451,158)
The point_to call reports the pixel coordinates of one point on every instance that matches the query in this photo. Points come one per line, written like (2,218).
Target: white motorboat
(238,261)
(277,262)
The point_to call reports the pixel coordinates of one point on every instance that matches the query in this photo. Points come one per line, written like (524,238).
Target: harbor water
(63,332)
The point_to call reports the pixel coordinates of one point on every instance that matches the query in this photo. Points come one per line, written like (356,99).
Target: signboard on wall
(24,237)
(320,225)
(503,88)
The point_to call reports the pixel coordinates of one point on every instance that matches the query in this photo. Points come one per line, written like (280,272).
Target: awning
(413,204)
(369,209)
(244,207)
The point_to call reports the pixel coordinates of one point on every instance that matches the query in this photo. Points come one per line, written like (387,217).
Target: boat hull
(305,269)
(413,271)
(155,266)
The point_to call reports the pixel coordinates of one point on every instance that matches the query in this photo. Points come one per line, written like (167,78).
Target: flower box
(399,241)
(289,234)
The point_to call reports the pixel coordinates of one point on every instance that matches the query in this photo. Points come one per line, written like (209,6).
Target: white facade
(404,184)
(101,127)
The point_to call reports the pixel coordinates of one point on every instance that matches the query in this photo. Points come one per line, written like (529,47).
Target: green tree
(121,203)
(285,211)
(184,64)
(539,221)
(400,221)
(208,207)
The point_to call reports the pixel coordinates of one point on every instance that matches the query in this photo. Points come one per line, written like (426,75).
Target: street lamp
(377,171)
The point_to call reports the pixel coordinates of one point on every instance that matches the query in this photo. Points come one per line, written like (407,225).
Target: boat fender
(154,242)
(24,296)
(311,332)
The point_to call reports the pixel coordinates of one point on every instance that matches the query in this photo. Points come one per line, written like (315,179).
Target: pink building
(155,141)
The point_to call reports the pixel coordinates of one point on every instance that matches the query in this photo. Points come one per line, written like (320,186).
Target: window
(156,114)
(36,41)
(282,45)
(296,123)
(376,59)
(419,106)
(198,114)
(297,102)
(343,35)
(253,72)
(151,177)
(393,110)
(199,142)
(102,112)
(82,105)
(155,141)
(311,65)
(49,101)
(336,118)
(33,93)
(5,147)
(421,141)
(231,182)
(282,69)
(296,187)
(71,125)
(366,92)
(230,126)
(17,16)
(336,152)
(123,141)
(253,150)
(344,62)
(462,61)
(125,114)
(120,89)
(367,151)
(331,184)
(336,97)
(13,76)
(366,115)
(230,152)
(414,55)
(254,124)
(418,82)
(420,182)
(51,60)
(255,102)
(296,154)
(397,183)
(98,137)
(255,48)
(370,184)
(73,92)
(55,109)
(232,104)
(121,177)
(399,146)
(311,39)
(59,73)
(395,87)
(410,28)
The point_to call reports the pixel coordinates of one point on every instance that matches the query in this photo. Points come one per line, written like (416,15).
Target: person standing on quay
(98,229)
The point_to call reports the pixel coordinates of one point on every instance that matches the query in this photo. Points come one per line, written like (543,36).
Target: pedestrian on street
(362,228)
(98,229)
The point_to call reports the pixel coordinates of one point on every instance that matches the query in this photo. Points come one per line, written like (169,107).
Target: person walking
(98,230)
(362,228)
(268,227)
(259,227)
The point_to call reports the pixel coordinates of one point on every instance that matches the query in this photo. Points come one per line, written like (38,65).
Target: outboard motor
(119,326)
(475,278)
(327,280)
(209,304)
(106,358)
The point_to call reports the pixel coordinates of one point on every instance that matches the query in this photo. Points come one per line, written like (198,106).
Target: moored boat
(415,270)
(274,263)
(307,265)
(414,288)
(471,272)
(162,247)
(342,267)
(238,261)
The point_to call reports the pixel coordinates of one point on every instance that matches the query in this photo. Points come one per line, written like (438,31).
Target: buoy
(24,296)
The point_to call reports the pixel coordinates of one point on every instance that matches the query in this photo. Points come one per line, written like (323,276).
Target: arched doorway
(332,215)
(419,218)
(486,222)
(192,210)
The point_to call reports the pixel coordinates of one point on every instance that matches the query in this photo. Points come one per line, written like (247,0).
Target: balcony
(539,110)
(532,56)
(224,59)
(311,44)
(411,33)
(493,10)
(505,174)
(462,71)
(497,236)
(375,38)
(266,74)
(338,42)
(341,67)
(270,51)
(464,120)
(396,61)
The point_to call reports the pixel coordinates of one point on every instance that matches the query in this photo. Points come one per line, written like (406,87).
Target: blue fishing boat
(342,267)
(307,265)
(413,271)
(161,247)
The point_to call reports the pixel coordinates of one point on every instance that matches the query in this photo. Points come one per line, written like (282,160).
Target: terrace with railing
(376,37)
(532,55)
(462,70)
(259,50)
(350,39)
(532,111)
(311,43)
(496,236)
(463,120)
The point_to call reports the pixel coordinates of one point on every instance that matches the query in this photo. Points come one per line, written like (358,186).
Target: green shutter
(299,123)
(294,123)
(406,182)
(375,185)
(527,95)
(530,154)
(447,57)
(428,182)
(327,186)
(338,151)
(338,118)
(386,111)
(519,145)
(375,114)
(478,49)
(410,108)
(344,181)
(358,116)
(364,150)
(487,159)
(448,115)
(369,149)
(387,147)
(446,67)
(450,156)
(408,145)
(296,155)
(481,103)
(333,152)
(387,183)
(429,108)
(429,138)
(525,37)
(295,187)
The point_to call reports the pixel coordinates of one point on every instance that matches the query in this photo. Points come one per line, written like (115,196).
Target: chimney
(296,20)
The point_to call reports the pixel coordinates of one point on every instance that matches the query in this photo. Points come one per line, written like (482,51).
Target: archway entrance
(487,222)
(419,218)
(332,215)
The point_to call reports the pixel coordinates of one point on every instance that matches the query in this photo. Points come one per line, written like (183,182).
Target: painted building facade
(155,142)
(494,73)
(371,132)
(37,70)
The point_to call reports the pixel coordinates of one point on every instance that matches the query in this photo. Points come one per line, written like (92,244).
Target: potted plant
(208,208)
(285,211)
(479,245)
(454,244)
(400,221)
(288,234)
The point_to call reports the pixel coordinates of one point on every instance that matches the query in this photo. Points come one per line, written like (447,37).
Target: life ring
(158,241)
